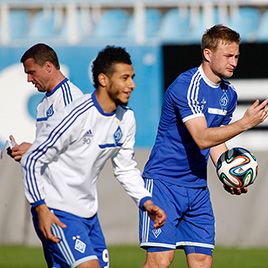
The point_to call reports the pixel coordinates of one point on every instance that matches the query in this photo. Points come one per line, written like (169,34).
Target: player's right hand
(46,219)
(255,114)
(155,213)
(235,191)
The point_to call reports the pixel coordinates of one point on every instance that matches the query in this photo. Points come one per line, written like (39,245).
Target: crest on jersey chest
(50,111)
(118,135)
(224,100)
(117,139)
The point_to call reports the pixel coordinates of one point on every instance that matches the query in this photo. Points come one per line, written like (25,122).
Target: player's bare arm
(46,220)
(216,151)
(155,213)
(206,137)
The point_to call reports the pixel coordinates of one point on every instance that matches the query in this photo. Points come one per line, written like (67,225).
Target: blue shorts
(81,240)
(190,220)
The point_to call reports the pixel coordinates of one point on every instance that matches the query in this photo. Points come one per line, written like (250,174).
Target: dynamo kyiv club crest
(118,135)
(50,111)
(224,100)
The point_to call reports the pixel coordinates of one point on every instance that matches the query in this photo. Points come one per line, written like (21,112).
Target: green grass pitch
(127,256)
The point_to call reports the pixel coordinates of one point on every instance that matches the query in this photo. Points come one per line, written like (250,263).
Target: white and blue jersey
(62,95)
(175,157)
(62,166)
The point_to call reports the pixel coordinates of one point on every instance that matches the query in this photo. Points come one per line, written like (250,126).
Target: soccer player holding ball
(194,125)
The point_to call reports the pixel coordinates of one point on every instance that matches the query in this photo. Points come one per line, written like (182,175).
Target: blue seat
(246,21)
(18,22)
(202,22)
(43,26)
(151,24)
(111,25)
(82,26)
(175,26)
(262,32)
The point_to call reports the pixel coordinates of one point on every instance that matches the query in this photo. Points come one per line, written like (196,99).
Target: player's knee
(159,259)
(199,261)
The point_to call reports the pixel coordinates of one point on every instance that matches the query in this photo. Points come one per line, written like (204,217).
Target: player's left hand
(235,191)
(17,150)
(155,213)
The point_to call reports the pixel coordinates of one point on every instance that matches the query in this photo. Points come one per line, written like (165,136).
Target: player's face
(37,75)
(121,84)
(224,59)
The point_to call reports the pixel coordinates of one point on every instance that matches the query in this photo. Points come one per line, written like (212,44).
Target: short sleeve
(187,98)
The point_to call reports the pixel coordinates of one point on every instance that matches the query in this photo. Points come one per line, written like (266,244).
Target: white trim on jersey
(192,116)
(192,93)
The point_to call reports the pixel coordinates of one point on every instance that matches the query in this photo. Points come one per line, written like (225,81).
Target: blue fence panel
(145,100)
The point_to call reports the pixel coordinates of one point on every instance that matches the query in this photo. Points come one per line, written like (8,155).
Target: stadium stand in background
(163,38)
(160,21)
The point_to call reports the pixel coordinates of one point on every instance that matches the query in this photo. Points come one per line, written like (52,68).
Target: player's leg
(195,260)
(159,243)
(196,231)
(98,242)
(159,259)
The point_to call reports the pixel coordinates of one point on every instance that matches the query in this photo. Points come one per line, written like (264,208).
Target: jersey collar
(98,106)
(207,81)
(58,86)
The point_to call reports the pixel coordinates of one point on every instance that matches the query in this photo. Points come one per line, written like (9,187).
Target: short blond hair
(216,34)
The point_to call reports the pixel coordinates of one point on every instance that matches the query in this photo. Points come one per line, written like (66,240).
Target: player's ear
(207,54)
(103,79)
(48,66)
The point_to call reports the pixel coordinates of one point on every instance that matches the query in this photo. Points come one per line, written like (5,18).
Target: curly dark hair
(105,61)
